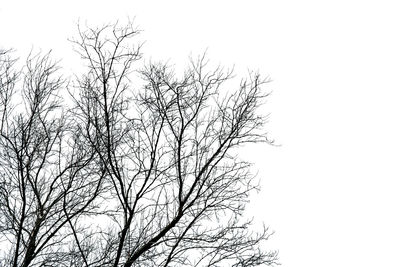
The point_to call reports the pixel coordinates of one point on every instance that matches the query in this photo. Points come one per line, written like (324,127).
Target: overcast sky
(331,190)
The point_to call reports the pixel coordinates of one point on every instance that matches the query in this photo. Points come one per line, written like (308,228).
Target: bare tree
(46,177)
(133,176)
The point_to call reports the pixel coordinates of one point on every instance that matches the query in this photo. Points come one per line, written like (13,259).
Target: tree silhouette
(128,173)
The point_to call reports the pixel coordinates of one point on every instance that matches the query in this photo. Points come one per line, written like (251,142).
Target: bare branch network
(126,176)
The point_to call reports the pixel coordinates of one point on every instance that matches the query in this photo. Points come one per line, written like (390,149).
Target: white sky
(331,191)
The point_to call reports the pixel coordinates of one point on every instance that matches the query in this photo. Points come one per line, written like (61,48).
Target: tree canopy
(126,174)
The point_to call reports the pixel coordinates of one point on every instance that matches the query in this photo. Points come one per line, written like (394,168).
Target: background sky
(331,190)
